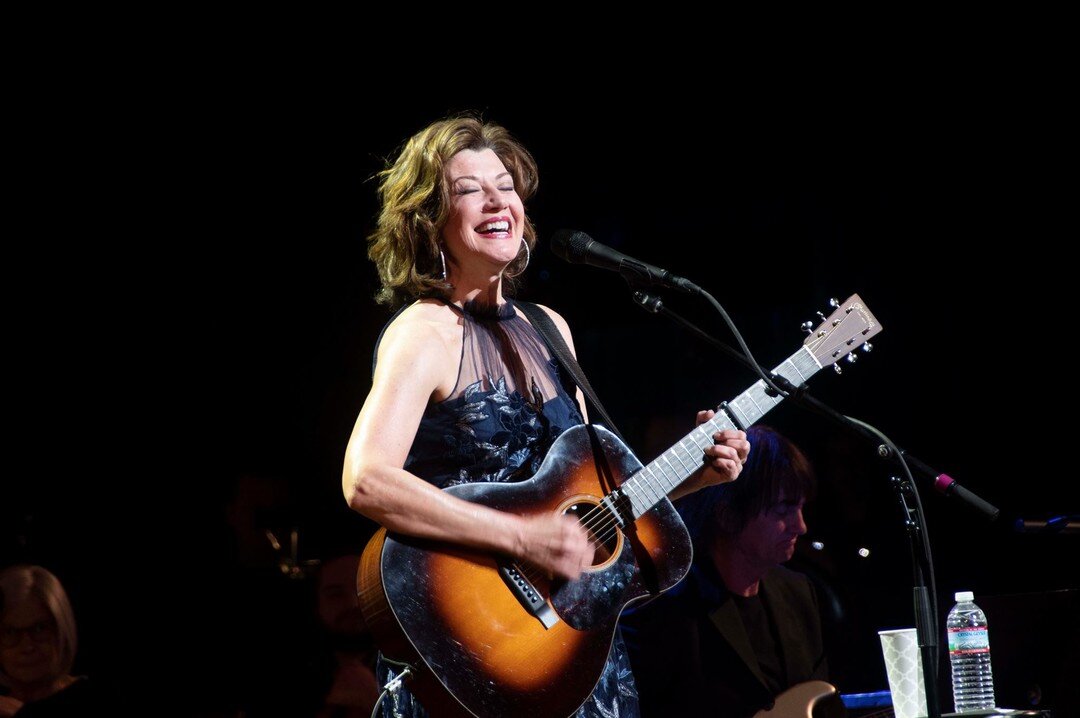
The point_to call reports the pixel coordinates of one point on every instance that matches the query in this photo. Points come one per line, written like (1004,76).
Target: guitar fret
(656,476)
(743,420)
(720,422)
(757,406)
(657,486)
(805,363)
(670,470)
(684,457)
(693,451)
(685,468)
(699,439)
(749,408)
(647,487)
(635,490)
(704,435)
(666,470)
(795,369)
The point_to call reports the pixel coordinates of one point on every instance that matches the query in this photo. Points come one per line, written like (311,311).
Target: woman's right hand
(555,543)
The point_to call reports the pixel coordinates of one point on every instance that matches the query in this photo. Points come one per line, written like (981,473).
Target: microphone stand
(921,559)
(925,623)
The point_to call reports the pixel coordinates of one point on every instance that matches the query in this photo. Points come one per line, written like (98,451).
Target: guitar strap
(554,339)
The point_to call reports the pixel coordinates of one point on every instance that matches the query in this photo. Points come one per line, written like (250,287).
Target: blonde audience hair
(21,583)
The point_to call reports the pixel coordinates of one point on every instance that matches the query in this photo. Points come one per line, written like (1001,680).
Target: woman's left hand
(723,460)
(726,457)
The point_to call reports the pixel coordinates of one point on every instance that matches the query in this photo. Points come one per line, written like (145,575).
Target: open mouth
(494,228)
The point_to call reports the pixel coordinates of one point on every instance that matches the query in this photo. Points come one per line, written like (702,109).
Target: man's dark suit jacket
(691,655)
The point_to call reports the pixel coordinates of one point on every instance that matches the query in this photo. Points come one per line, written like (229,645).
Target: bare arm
(414,364)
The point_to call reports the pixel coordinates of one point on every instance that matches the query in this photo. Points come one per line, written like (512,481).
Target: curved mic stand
(924,583)
(925,616)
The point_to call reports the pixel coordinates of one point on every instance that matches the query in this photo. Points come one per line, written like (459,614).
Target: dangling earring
(442,258)
(528,256)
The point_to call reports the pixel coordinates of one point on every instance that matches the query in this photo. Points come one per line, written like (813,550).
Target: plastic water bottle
(969,654)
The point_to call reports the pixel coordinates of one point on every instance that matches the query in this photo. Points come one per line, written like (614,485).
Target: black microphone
(947,485)
(580,248)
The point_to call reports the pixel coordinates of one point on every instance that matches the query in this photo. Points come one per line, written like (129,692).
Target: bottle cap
(962,596)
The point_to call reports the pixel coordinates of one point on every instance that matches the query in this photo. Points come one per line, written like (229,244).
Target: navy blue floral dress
(509,405)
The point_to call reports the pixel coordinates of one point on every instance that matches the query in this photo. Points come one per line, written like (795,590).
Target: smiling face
(486,218)
(29,651)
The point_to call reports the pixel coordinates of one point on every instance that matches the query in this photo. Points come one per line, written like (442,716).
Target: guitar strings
(601,522)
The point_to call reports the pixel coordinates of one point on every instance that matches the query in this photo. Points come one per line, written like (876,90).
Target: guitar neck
(664,474)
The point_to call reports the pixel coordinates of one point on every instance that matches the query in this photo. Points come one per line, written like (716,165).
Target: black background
(193,326)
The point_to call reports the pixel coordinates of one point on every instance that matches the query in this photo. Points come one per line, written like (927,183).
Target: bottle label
(969,640)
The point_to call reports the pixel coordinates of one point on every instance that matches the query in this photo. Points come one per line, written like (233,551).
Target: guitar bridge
(527,594)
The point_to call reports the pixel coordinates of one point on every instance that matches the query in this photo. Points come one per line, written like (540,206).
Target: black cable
(739,338)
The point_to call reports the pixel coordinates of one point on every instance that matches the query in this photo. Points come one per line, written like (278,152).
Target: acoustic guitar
(490,637)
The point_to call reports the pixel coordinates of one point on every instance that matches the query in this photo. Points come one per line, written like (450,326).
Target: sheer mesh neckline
(502,352)
(498,312)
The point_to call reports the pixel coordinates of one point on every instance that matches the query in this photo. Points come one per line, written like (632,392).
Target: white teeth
(501,226)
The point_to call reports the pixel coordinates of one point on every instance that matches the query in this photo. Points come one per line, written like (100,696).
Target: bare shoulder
(423,341)
(424,325)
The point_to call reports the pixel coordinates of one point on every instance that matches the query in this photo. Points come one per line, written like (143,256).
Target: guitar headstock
(849,327)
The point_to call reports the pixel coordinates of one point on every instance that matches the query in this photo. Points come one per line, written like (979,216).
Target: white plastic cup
(903,667)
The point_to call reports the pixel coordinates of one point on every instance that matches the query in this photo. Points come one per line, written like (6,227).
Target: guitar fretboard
(647,487)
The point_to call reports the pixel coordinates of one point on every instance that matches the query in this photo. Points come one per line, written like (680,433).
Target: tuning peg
(851,358)
(836,368)
(868,347)
(821,315)
(834,302)
(807,326)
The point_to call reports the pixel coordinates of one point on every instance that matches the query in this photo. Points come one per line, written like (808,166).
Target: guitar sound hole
(601,527)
